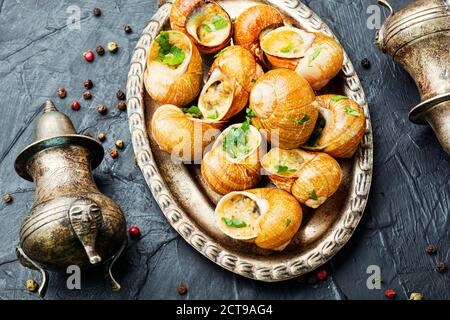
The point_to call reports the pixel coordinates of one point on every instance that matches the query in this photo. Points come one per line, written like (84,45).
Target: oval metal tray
(189,205)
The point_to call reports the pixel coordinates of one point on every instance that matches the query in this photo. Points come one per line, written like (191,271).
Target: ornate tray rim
(247,267)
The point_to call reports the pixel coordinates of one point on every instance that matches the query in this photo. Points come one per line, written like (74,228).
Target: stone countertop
(408,207)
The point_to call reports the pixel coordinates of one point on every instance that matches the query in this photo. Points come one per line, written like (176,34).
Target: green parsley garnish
(282,169)
(194,111)
(313,57)
(313,195)
(300,121)
(250,113)
(206,27)
(234,222)
(286,49)
(235,142)
(339,98)
(288,222)
(214,116)
(168,54)
(219,22)
(351,111)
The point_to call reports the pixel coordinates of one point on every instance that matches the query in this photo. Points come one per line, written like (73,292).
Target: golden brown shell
(224,174)
(281,217)
(183,137)
(238,68)
(284,104)
(315,178)
(180,14)
(344,128)
(251,23)
(177,86)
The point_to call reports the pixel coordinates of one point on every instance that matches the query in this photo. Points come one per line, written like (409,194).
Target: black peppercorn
(101,109)
(127,29)
(97,12)
(62,93)
(87,95)
(101,136)
(100,50)
(365,63)
(182,289)
(121,105)
(88,84)
(441,267)
(431,249)
(120,95)
(114,153)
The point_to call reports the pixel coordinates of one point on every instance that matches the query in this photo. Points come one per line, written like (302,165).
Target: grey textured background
(408,206)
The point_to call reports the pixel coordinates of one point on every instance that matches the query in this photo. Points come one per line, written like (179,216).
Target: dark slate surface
(408,206)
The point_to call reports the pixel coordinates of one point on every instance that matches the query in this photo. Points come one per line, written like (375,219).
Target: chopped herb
(234,222)
(339,98)
(313,195)
(220,52)
(313,57)
(282,169)
(288,222)
(250,113)
(214,116)
(351,111)
(194,111)
(286,49)
(235,142)
(219,22)
(206,27)
(300,121)
(168,54)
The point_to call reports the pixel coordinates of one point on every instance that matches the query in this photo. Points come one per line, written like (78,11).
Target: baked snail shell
(224,173)
(174,85)
(343,126)
(232,76)
(207,24)
(284,105)
(182,136)
(268,217)
(311,177)
(252,23)
(315,56)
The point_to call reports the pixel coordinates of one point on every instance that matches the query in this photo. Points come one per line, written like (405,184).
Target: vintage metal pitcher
(418,38)
(71,221)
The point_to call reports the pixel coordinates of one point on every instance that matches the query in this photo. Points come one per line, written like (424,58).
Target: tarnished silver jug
(418,38)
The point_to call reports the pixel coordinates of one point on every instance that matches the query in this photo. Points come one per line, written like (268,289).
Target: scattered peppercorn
(7,198)
(62,93)
(97,12)
(134,232)
(88,84)
(365,63)
(127,29)
(101,136)
(182,289)
(102,109)
(76,106)
(415,296)
(114,153)
(120,144)
(31,285)
(87,95)
(88,56)
(121,105)
(120,95)
(113,47)
(431,249)
(390,294)
(100,50)
(311,279)
(441,267)
(321,274)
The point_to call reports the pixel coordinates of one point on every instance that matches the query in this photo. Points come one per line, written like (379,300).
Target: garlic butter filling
(287,42)
(283,162)
(209,24)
